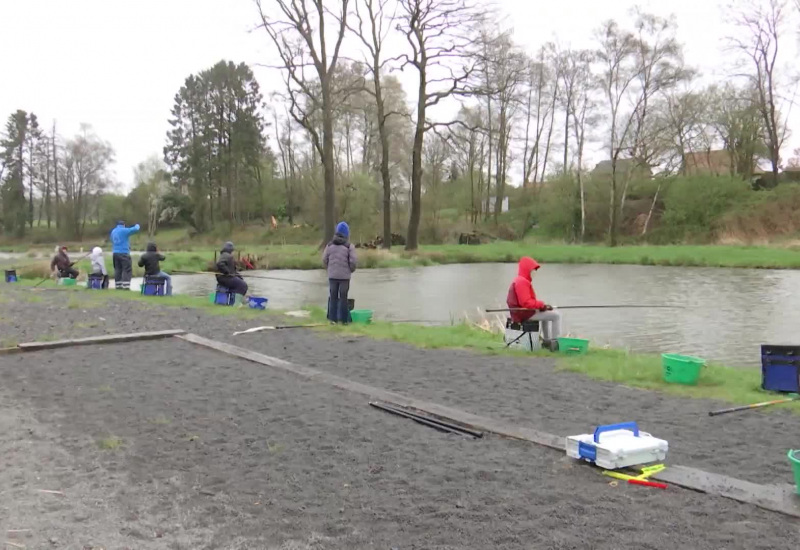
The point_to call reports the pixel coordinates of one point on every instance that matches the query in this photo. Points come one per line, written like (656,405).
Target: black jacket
(226,264)
(150,260)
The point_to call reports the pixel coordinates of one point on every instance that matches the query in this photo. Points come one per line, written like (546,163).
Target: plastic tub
(794,458)
(573,346)
(681,369)
(67,281)
(257,302)
(362,316)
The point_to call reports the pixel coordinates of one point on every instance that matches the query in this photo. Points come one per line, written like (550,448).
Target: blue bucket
(11,275)
(257,302)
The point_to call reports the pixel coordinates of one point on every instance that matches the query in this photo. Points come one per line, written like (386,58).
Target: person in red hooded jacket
(522,296)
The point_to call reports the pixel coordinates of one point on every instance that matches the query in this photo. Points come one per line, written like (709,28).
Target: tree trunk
(385,175)
(650,212)
(412,240)
(612,222)
(501,159)
(487,210)
(328,160)
(55,179)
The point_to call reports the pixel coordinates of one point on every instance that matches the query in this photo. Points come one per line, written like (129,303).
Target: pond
(720,314)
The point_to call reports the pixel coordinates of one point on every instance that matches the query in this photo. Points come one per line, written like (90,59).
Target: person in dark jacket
(340,260)
(151,262)
(228,277)
(61,266)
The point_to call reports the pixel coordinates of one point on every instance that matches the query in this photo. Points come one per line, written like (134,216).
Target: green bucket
(362,316)
(68,282)
(573,346)
(681,369)
(794,458)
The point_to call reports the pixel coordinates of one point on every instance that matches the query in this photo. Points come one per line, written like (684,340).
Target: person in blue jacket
(121,255)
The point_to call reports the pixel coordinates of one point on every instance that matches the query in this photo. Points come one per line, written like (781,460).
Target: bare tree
(541,87)
(301,41)
(374,24)
(578,78)
(437,32)
(659,68)
(761,23)
(616,56)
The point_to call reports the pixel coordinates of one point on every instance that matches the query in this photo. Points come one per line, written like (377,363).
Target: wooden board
(774,498)
(106,339)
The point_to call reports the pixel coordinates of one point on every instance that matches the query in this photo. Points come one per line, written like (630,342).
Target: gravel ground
(216,452)
(750,446)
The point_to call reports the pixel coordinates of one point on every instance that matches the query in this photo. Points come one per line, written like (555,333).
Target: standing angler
(340,261)
(121,249)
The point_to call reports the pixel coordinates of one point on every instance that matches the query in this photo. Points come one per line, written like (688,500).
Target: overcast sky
(117,64)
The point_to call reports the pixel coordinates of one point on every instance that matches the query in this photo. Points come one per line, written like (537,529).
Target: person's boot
(553,345)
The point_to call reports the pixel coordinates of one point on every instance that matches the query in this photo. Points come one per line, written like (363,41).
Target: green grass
(110,443)
(719,382)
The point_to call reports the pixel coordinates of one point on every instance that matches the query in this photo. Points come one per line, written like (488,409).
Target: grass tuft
(111,443)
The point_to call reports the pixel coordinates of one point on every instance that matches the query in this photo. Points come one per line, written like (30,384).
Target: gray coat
(339,258)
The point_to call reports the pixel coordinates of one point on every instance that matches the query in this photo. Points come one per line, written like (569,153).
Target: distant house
(713,163)
(625,167)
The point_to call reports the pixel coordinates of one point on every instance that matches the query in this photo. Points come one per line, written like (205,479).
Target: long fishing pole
(634,306)
(754,406)
(250,276)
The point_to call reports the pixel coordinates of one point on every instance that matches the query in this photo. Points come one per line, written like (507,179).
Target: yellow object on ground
(647,471)
(617,475)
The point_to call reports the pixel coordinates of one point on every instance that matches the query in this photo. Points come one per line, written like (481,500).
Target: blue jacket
(119,238)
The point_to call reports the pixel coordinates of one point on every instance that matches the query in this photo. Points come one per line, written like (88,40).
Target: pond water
(720,314)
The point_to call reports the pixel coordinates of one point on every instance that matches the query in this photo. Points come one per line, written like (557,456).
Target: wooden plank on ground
(777,499)
(106,339)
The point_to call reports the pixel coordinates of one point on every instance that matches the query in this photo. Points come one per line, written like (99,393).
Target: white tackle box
(617,446)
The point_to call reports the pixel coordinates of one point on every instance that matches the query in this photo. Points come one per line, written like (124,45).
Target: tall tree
(86,175)
(438,35)
(16,154)
(216,145)
(300,38)
(374,21)
(760,24)
(616,55)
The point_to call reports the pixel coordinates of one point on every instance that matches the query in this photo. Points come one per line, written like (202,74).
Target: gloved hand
(548,307)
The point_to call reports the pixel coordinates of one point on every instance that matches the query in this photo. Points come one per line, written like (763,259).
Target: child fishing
(521,295)
(340,261)
(151,262)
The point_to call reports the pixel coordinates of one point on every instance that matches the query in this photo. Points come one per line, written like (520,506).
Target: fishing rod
(250,276)
(634,306)
(754,406)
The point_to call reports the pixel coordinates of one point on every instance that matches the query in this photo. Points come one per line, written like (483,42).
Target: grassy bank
(306,257)
(734,385)
(637,370)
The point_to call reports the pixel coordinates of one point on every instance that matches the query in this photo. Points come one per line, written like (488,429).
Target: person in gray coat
(340,260)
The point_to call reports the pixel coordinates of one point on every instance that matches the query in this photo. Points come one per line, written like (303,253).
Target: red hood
(526,265)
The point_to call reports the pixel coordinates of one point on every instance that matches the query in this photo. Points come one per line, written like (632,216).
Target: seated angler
(525,306)
(61,266)
(228,277)
(151,262)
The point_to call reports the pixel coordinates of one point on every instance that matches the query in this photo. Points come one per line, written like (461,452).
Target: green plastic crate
(794,458)
(362,316)
(573,346)
(681,369)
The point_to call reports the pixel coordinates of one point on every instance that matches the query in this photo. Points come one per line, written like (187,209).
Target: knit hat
(343,229)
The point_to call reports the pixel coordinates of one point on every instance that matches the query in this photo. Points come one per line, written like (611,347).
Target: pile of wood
(470,238)
(377,242)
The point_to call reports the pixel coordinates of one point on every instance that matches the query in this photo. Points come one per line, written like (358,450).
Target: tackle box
(616,446)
